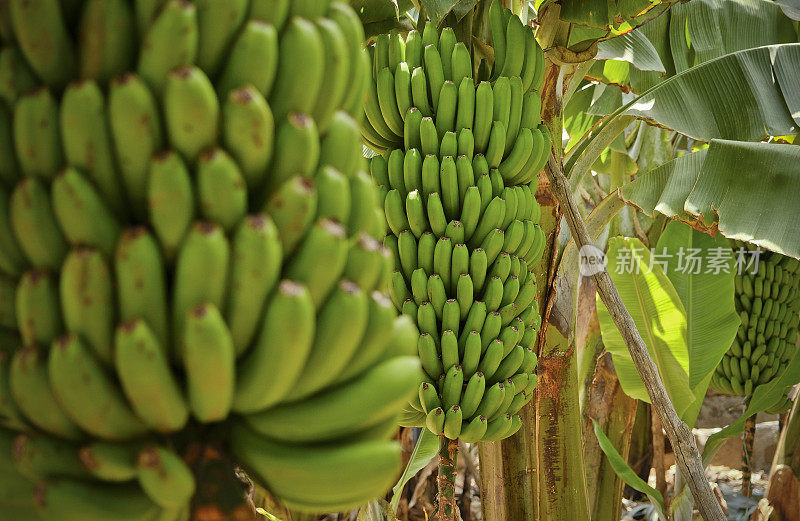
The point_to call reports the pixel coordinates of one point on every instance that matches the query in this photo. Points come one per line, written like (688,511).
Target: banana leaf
(426,448)
(660,317)
(627,474)
(731,97)
(746,191)
(707,295)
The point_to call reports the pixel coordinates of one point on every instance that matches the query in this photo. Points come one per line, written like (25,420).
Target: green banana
(248,132)
(171,41)
(381,329)
(329,477)
(221,191)
(293,208)
(88,394)
(252,60)
(16,77)
(170,200)
(363,402)
(452,422)
(446,108)
(107,32)
(387,101)
(37,307)
(435,421)
(340,326)
(87,300)
(296,150)
(218,23)
(82,214)
(136,134)
(73,500)
(201,275)
(273,12)
(434,71)
(289,320)
(165,477)
(110,461)
(336,76)
(87,143)
(39,457)
(30,387)
(326,239)
(301,69)
(146,378)
(191,111)
(43,37)
(36,134)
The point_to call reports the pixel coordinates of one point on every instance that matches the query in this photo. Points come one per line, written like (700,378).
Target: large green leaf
(634,48)
(660,318)
(702,30)
(731,97)
(701,268)
(626,473)
(746,190)
(437,9)
(426,448)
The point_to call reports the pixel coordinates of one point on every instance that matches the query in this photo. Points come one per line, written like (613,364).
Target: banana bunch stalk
(768,302)
(458,174)
(190,251)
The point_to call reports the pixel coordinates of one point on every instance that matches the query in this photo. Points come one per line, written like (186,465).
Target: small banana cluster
(768,302)
(458,174)
(188,237)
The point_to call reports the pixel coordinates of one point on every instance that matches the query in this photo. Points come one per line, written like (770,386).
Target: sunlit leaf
(426,448)
(634,48)
(746,190)
(660,318)
(701,268)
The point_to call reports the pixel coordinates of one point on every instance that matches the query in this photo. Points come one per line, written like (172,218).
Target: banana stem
(446,482)
(747,456)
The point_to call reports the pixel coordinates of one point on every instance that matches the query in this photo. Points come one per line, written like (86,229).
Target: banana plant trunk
(615,413)
(446,481)
(784,484)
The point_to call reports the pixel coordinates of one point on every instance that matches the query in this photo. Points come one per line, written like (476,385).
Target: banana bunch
(768,302)
(458,174)
(190,248)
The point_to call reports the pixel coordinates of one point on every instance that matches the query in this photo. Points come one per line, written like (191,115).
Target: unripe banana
(146,377)
(337,71)
(36,134)
(201,273)
(110,461)
(164,477)
(30,387)
(377,336)
(341,324)
(171,41)
(16,76)
(218,22)
(87,393)
(82,214)
(87,300)
(191,111)
(107,32)
(361,403)
(325,240)
(328,477)
(43,37)
(87,143)
(136,133)
(301,69)
(255,268)
(170,200)
(73,500)
(252,60)
(248,133)
(209,359)
(39,457)
(293,208)
(296,150)
(289,320)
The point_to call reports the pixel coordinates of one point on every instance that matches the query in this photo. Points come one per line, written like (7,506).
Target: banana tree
(672,85)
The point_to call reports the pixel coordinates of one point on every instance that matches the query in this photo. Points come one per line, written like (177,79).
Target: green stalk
(615,412)
(788,450)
